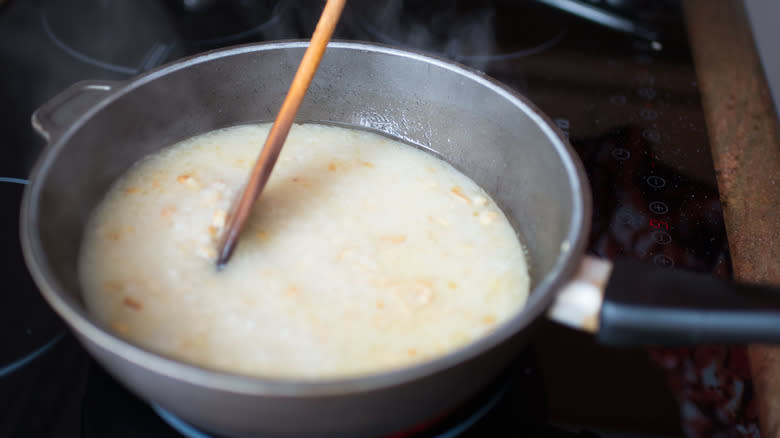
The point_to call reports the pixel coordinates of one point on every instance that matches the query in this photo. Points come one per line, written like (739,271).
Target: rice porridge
(362,254)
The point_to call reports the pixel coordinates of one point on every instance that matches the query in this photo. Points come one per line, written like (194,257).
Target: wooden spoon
(273,145)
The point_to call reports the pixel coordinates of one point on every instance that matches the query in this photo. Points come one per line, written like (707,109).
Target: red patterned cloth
(714,388)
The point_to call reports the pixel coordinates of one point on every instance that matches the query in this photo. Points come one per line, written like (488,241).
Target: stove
(616,77)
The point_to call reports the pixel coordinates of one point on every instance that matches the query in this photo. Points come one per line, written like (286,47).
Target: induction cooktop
(616,77)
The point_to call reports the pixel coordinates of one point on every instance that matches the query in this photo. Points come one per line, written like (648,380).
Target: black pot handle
(630,303)
(650,305)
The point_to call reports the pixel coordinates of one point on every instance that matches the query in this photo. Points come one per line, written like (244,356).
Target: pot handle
(53,117)
(647,305)
(579,302)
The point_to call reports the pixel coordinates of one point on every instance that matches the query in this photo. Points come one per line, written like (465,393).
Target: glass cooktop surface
(618,80)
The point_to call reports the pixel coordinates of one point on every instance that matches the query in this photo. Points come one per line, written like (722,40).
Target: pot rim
(572,249)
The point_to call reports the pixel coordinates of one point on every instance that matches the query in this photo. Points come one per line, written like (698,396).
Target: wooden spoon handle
(281,127)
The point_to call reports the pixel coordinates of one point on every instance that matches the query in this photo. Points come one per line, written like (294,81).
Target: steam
(443,28)
(104,34)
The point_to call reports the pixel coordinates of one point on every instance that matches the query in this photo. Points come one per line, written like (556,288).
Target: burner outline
(29,357)
(190,431)
(179,425)
(159,52)
(154,57)
(275,18)
(552,42)
(14,180)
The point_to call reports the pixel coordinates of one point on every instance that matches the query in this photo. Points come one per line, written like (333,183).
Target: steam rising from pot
(466,31)
(454,29)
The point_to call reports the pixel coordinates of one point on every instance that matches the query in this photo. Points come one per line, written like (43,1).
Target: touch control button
(656,182)
(621,154)
(661,237)
(659,207)
(648,114)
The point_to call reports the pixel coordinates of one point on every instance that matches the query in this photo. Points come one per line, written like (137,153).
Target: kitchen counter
(745,141)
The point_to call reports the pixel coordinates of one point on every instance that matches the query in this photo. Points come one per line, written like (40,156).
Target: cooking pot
(96,130)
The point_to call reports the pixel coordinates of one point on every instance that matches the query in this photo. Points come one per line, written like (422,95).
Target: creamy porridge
(363,254)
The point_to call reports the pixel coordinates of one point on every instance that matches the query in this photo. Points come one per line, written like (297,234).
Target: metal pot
(96,130)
